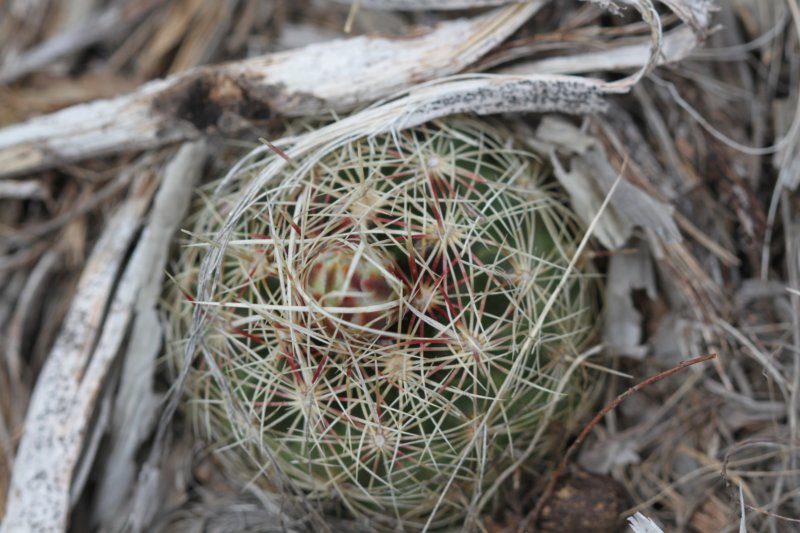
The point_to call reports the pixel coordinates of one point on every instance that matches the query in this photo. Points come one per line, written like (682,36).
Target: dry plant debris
(695,104)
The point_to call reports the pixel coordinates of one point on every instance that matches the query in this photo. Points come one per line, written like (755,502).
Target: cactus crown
(374,320)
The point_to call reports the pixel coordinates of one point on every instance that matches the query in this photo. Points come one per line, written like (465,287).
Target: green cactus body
(376,321)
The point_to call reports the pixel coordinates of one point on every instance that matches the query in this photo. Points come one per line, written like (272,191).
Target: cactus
(376,321)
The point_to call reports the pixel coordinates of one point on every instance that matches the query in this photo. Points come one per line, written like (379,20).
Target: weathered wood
(136,404)
(335,76)
(318,79)
(22,190)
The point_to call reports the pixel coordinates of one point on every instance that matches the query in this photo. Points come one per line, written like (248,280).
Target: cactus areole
(374,333)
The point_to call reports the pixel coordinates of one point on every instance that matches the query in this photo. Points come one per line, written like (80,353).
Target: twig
(774,515)
(533,516)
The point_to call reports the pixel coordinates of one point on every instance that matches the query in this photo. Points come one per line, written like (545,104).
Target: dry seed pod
(375,317)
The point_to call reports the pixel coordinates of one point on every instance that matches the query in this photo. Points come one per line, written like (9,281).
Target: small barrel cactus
(378,321)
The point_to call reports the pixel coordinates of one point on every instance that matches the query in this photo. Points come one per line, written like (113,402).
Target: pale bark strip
(586,196)
(623,327)
(55,424)
(631,202)
(85,130)
(339,75)
(136,406)
(491,94)
(481,94)
(639,523)
(332,76)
